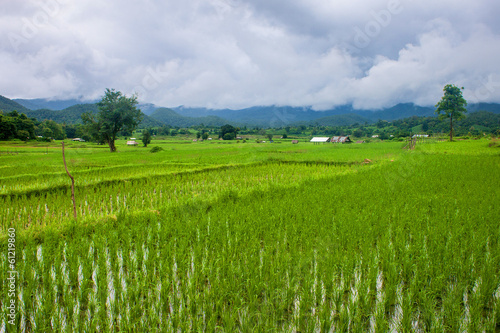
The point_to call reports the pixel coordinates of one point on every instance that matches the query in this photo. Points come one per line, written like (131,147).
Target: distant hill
(172,118)
(57,105)
(147,122)
(490,107)
(147,108)
(10,105)
(42,103)
(73,115)
(340,120)
(480,119)
(399,111)
(261,116)
(406,110)
(278,116)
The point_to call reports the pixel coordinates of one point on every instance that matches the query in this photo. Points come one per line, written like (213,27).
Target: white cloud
(421,70)
(238,53)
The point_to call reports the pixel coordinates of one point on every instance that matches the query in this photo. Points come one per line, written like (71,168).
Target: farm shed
(319,139)
(360,141)
(295,141)
(340,139)
(132,143)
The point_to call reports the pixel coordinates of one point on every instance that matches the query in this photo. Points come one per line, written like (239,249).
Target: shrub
(156,149)
(228,136)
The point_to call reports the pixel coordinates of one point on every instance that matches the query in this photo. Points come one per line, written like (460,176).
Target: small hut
(340,139)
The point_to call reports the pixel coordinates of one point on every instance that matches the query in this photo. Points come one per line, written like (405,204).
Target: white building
(320,139)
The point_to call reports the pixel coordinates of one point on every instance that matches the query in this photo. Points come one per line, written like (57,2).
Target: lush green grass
(258,237)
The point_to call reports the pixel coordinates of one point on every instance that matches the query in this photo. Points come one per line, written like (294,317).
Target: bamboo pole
(72,182)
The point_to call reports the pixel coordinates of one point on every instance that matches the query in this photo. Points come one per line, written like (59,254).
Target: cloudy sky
(240,53)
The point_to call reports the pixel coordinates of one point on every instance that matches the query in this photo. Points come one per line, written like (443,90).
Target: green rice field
(247,237)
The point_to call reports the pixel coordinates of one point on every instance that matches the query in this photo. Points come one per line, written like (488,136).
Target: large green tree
(146,137)
(117,112)
(228,132)
(452,105)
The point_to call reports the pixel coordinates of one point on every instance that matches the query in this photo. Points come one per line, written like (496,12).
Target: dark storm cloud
(237,53)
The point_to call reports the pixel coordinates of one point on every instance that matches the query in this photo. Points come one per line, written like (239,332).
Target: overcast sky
(240,53)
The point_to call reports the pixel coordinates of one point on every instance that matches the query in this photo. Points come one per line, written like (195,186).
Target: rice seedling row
(39,208)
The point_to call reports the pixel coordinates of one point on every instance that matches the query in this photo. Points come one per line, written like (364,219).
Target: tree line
(118,115)
(15,125)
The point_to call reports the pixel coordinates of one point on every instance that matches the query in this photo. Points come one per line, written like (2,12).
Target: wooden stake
(72,182)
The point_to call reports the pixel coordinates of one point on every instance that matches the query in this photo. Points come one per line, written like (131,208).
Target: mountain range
(70,111)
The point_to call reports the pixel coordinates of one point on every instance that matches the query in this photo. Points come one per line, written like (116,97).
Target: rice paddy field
(247,237)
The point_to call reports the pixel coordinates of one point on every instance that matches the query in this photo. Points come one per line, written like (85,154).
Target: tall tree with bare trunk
(452,105)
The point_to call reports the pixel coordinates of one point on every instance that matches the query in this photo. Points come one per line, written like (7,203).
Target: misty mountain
(261,116)
(172,118)
(278,116)
(147,108)
(73,115)
(10,105)
(490,107)
(340,120)
(265,116)
(57,105)
(42,103)
(400,111)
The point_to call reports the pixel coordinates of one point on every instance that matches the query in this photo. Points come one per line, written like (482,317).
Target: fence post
(72,182)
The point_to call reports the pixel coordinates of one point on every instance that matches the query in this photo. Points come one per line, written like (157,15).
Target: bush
(228,136)
(156,149)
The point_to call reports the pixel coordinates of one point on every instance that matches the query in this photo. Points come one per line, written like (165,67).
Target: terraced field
(254,237)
